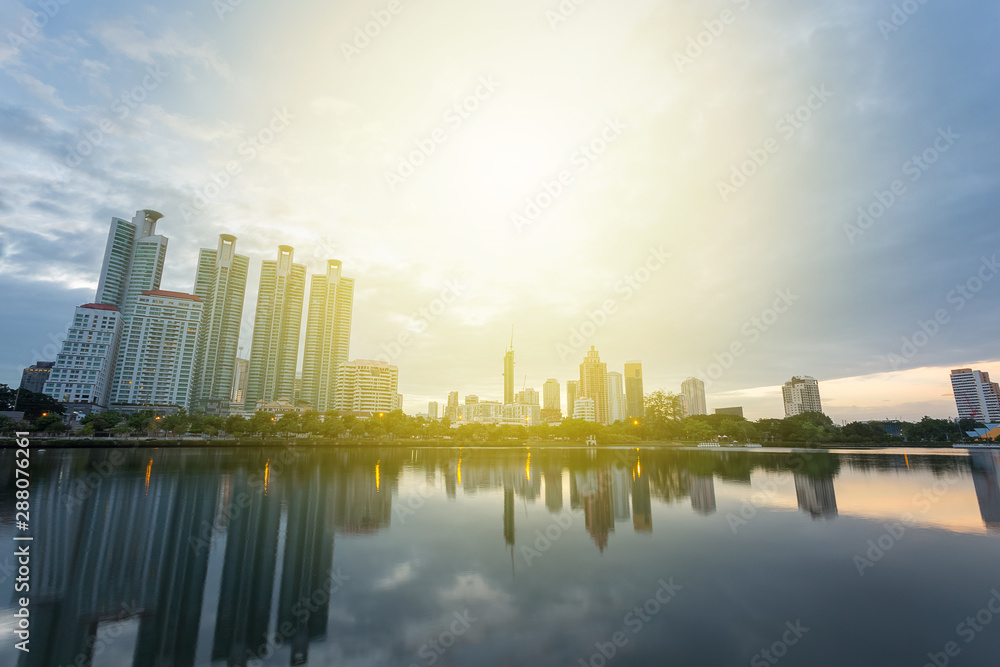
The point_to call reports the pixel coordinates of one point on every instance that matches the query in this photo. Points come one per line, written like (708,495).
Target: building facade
(572,388)
(801,394)
(551,409)
(133,261)
(274,352)
(976,397)
(616,397)
(594,384)
(84,369)
(34,377)
(156,355)
(366,386)
(220,282)
(328,335)
(634,402)
(693,394)
(584,408)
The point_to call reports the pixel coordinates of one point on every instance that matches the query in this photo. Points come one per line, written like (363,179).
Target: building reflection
(816,496)
(702,489)
(986,479)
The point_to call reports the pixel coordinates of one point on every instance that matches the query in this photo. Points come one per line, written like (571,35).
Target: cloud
(125,37)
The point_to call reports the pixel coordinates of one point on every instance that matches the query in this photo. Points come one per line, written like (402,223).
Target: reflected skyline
(212,554)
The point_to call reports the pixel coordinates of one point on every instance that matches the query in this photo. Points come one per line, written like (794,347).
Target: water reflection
(233,550)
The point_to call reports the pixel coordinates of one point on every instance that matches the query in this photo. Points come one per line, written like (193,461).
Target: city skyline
(698,207)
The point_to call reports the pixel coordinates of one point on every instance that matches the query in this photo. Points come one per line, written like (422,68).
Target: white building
(157,350)
(522,413)
(133,261)
(616,397)
(975,396)
(527,396)
(432,410)
(328,336)
(801,394)
(583,408)
(693,394)
(366,386)
(84,368)
(274,352)
(220,282)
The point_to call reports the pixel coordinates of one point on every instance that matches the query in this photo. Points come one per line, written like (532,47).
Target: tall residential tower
(975,396)
(801,394)
(278,320)
(328,335)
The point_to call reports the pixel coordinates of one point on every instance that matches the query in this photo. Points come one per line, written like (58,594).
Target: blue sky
(181,88)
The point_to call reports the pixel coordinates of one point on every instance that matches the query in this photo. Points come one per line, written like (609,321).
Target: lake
(505,556)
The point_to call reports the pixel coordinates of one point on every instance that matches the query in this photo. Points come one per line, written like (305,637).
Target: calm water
(470,556)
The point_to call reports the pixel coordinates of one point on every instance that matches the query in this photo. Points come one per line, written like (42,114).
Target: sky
(737,190)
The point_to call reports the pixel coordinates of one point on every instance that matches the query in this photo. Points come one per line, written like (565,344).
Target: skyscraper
(594,384)
(278,320)
(634,405)
(84,367)
(328,335)
(693,393)
(616,398)
(801,394)
(240,380)
(572,389)
(551,410)
(220,282)
(133,261)
(508,372)
(157,350)
(975,396)
(432,410)
(451,410)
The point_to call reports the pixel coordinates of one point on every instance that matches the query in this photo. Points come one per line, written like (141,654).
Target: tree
(663,410)
(236,425)
(32,404)
(143,421)
(177,424)
(50,424)
(102,421)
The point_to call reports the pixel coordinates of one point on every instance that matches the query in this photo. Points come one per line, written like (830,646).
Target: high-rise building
(33,377)
(584,408)
(84,369)
(157,350)
(432,410)
(471,399)
(277,322)
(451,411)
(527,396)
(572,388)
(616,398)
(801,394)
(634,403)
(594,384)
(220,282)
(975,396)
(551,410)
(366,386)
(508,373)
(693,396)
(133,261)
(240,374)
(328,335)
